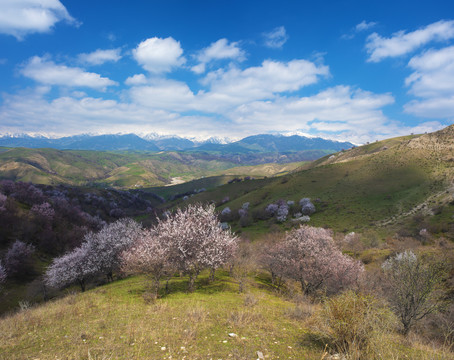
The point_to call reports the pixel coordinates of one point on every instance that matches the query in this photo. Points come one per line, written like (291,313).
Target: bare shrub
(353,324)
(413,286)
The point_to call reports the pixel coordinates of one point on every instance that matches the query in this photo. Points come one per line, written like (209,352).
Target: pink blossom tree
(150,256)
(196,240)
(314,261)
(45,210)
(273,259)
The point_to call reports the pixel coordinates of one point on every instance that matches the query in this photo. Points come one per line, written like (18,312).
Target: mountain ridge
(121,142)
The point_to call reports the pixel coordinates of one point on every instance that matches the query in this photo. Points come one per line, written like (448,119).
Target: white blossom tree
(107,245)
(411,285)
(73,267)
(196,240)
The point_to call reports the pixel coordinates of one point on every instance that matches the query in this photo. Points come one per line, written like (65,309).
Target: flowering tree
(282,213)
(18,259)
(196,240)
(307,208)
(2,273)
(107,244)
(273,259)
(411,285)
(150,256)
(45,210)
(313,260)
(74,267)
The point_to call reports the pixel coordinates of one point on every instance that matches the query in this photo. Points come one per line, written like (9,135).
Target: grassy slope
(114,322)
(125,170)
(357,188)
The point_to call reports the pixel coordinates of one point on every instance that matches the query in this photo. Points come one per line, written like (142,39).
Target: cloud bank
(22,17)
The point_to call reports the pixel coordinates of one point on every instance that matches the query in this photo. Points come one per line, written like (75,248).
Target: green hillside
(122,170)
(383,183)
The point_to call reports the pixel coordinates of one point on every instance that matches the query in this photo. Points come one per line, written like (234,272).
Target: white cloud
(402,43)
(96,115)
(276,38)
(221,49)
(47,72)
(138,79)
(158,55)
(99,56)
(363,26)
(264,81)
(163,94)
(433,82)
(22,17)
(432,108)
(218,50)
(341,108)
(227,89)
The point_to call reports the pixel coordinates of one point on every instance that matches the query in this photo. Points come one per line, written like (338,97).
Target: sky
(342,69)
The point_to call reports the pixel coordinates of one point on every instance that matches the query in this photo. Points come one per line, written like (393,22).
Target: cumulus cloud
(46,72)
(276,38)
(260,82)
(100,57)
(22,17)
(433,81)
(170,95)
(338,109)
(340,112)
(96,115)
(158,55)
(401,43)
(138,79)
(218,50)
(229,88)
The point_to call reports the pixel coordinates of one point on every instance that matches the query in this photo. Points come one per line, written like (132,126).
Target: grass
(114,322)
(358,189)
(215,322)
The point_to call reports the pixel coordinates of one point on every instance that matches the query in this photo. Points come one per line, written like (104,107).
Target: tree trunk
(212,273)
(192,277)
(82,285)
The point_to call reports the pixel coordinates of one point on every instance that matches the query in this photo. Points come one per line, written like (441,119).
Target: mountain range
(122,142)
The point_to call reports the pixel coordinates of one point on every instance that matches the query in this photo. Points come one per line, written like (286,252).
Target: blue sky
(348,70)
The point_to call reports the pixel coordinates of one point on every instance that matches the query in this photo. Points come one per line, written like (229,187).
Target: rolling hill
(123,170)
(388,183)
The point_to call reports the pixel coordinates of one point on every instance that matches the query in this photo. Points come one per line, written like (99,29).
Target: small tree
(74,267)
(242,264)
(107,245)
(273,259)
(18,260)
(314,261)
(196,240)
(412,284)
(150,256)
